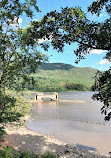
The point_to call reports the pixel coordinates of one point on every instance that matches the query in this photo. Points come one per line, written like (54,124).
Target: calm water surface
(77,123)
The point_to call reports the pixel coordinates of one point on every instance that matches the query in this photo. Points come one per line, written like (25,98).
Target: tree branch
(90,46)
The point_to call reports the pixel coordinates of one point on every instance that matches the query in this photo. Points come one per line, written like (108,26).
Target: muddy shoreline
(24,139)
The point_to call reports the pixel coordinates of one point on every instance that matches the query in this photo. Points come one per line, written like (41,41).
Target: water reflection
(73,122)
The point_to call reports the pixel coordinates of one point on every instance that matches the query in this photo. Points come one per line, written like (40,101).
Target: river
(79,123)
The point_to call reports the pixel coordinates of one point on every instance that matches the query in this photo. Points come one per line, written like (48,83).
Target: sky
(96,57)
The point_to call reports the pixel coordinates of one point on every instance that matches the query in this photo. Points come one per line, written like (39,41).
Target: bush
(9,152)
(48,155)
(26,154)
(13,107)
(2,134)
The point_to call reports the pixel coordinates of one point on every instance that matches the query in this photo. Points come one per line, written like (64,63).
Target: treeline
(71,79)
(77,87)
(58,77)
(57,88)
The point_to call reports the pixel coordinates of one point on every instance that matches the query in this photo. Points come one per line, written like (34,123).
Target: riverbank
(25,139)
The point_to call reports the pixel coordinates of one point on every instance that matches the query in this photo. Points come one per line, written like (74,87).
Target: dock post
(56,97)
(36,96)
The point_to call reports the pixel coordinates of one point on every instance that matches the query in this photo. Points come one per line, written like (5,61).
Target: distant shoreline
(54,91)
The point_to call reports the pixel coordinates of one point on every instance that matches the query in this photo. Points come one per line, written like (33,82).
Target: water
(79,123)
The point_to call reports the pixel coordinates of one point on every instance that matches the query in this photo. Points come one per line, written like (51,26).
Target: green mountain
(54,66)
(62,77)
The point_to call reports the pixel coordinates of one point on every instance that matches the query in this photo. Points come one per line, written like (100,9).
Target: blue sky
(95,59)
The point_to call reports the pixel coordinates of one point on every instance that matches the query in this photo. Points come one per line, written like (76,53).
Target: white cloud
(16,22)
(20,21)
(104,61)
(97,51)
(35,20)
(43,40)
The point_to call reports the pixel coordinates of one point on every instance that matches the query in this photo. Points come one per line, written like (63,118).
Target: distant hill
(62,77)
(54,66)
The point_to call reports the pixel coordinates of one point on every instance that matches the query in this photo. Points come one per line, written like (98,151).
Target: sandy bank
(25,139)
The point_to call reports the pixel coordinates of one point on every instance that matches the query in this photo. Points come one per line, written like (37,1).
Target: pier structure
(42,96)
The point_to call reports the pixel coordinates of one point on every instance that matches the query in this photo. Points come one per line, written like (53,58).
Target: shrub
(48,155)
(2,134)
(9,152)
(14,106)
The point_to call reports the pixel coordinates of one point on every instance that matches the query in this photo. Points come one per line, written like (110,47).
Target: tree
(103,79)
(71,26)
(17,60)
(103,86)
